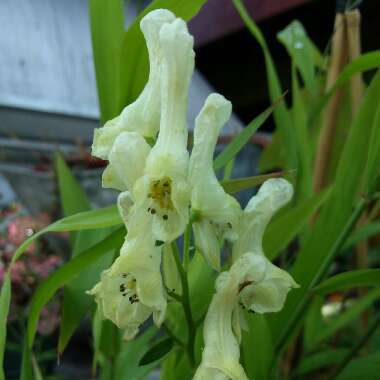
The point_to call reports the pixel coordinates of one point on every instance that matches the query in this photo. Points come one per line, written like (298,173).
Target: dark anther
(148,209)
(158,243)
(124,275)
(165,217)
(152,211)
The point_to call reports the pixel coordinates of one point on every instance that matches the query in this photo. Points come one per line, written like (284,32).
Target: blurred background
(49,103)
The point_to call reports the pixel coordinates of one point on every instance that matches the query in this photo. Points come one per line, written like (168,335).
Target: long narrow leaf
(240,140)
(5,299)
(363,233)
(65,274)
(239,184)
(349,280)
(281,114)
(88,220)
(318,251)
(286,227)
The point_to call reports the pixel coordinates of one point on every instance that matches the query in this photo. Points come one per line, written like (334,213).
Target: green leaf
(157,351)
(103,217)
(314,322)
(365,62)
(282,230)
(304,53)
(130,354)
(75,301)
(372,170)
(303,142)
(175,366)
(5,299)
(273,156)
(281,114)
(73,198)
(26,364)
(349,280)
(67,273)
(107,32)
(133,76)
(241,139)
(239,184)
(257,347)
(366,367)
(320,360)
(317,252)
(363,233)
(353,312)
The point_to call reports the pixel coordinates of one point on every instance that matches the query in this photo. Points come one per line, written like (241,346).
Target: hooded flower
(218,211)
(131,289)
(272,195)
(163,191)
(252,283)
(143,115)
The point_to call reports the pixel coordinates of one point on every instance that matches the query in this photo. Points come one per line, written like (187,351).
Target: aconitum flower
(252,283)
(163,192)
(131,290)
(217,212)
(143,115)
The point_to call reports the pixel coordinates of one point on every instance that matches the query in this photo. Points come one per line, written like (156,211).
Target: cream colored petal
(208,197)
(272,195)
(176,71)
(131,289)
(142,259)
(165,201)
(207,243)
(268,294)
(124,204)
(143,115)
(221,352)
(126,161)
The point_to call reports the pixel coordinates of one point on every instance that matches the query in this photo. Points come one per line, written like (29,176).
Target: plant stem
(186,247)
(355,349)
(186,305)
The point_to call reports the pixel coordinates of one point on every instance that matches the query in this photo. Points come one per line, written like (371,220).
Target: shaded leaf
(157,351)
(363,233)
(320,360)
(349,280)
(282,230)
(366,367)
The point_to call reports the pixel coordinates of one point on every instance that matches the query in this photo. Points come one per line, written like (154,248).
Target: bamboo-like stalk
(337,61)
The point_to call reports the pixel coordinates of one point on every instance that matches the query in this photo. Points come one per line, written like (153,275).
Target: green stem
(186,305)
(356,348)
(186,247)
